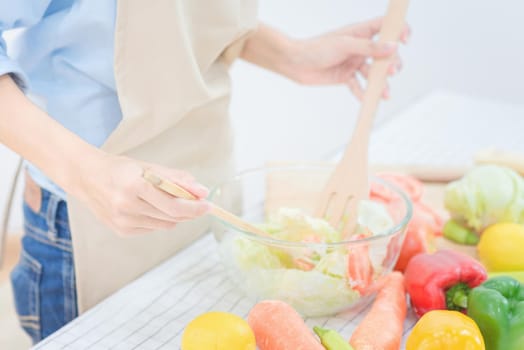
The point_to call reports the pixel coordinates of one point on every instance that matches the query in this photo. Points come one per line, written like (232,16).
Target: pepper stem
(457,297)
(460,299)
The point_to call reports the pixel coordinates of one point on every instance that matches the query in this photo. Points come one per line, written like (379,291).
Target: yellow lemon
(218,331)
(501,247)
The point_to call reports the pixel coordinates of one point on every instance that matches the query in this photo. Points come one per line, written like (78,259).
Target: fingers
(406,34)
(171,206)
(184,179)
(364,70)
(358,91)
(122,199)
(394,68)
(153,211)
(146,209)
(366,47)
(386,93)
(355,87)
(368,29)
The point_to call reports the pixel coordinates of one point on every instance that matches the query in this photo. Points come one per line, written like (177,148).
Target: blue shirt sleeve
(18,14)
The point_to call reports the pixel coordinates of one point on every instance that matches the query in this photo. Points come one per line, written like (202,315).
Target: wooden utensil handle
(393,25)
(177,191)
(236,221)
(167,186)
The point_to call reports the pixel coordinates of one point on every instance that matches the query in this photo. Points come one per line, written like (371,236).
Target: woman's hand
(339,57)
(118,195)
(111,187)
(335,58)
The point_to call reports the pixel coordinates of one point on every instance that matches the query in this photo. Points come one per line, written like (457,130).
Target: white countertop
(151,312)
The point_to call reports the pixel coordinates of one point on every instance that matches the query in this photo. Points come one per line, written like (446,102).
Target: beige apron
(171,62)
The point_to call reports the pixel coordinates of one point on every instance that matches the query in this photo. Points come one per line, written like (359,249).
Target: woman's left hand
(338,57)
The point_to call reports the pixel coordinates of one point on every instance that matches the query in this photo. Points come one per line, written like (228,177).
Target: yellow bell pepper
(444,329)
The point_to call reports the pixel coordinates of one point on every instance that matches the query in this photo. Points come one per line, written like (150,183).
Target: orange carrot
(409,184)
(360,269)
(381,328)
(277,326)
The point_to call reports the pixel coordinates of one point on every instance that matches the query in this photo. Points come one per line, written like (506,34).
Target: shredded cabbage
(312,278)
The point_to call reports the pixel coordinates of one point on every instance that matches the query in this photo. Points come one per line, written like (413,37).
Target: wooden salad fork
(349,183)
(179,192)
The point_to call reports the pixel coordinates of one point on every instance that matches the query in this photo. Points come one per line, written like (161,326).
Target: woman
(111,88)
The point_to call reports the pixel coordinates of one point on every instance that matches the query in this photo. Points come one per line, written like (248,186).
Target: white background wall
(474,47)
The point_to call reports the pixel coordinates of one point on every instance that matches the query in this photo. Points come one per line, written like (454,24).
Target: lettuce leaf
(487,194)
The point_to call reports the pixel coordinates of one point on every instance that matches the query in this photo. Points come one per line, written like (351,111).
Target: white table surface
(151,312)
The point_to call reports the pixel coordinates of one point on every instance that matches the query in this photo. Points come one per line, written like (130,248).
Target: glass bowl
(317,278)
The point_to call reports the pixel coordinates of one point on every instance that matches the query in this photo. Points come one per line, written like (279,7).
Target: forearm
(270,49)
(30,132)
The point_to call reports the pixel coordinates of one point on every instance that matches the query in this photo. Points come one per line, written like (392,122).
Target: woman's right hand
(122,199)
(112,187)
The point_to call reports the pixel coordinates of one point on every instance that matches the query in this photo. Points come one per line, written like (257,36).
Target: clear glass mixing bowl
(316,278)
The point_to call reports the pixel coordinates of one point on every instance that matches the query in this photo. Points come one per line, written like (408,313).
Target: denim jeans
(44,279)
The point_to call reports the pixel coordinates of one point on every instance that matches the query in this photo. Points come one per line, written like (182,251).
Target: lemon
(218,331)
(501,247)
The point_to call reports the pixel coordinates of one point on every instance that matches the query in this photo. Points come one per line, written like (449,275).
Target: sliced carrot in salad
(360,270)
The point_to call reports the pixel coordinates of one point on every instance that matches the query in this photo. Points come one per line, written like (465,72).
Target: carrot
(425,224)
(436,221)
(381,328)
(409,184)
(277,326)
(360,269)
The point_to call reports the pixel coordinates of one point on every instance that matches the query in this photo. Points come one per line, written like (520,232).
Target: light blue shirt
(64,58)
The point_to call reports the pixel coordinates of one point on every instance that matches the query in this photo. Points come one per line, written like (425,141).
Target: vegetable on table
(497,306)
(360,270)
(425,223)
(459,234)
(501,247)
(419,237)
(220,331)
(277,326)
(331,339)
(381,328)
(518,275)
(486,195)
(442,280)
(444,329)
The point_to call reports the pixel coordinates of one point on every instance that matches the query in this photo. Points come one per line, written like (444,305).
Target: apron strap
(7,210)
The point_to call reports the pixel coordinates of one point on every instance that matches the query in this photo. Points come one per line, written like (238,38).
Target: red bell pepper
(442,280)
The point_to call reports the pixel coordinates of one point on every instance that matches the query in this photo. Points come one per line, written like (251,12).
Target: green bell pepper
(497,306)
